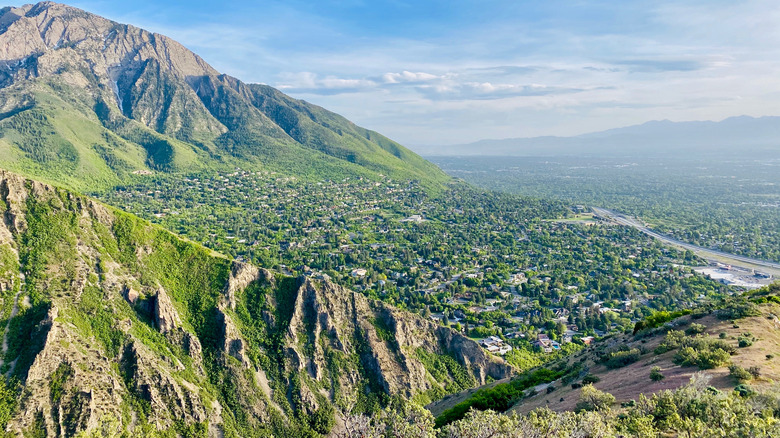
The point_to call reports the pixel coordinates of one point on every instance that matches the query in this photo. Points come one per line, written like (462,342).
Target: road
(707,253)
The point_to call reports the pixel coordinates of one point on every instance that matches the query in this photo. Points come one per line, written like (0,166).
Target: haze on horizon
(440,72)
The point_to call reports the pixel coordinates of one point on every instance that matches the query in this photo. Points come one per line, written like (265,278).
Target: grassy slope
(629,382)
(322,130)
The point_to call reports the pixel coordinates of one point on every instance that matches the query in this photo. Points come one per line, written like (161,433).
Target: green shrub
(656,375)
(591,399)
(744,390)
(746,340)
(705,359)
(695,329)
(589,379)
(500,397)
(739,373)
(620,359)
(659,318)
(738,310)
(698,351)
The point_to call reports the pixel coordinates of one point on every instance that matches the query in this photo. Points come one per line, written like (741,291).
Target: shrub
(620,359)
(700,351)
(674,339)
(659,318)
(589,379)
(739,373)
(500,397)
(746,340)
(744,390)
(738,310)
(591,399)
(656,375)
(704,359)
(695,329)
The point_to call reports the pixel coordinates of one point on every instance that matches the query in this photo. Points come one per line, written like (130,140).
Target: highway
(707,253)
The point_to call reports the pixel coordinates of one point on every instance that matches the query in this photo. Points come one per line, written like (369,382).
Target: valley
(728,204)
(515,275)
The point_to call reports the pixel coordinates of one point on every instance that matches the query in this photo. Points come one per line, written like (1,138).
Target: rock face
(42,29)
(165,316)
(138,94)
(341,319)
(123,327)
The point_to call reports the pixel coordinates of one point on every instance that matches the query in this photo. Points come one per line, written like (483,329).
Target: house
(491,340)
(495,345)
(359,272)
(504,349)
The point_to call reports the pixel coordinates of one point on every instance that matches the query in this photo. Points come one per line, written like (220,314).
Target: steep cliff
(112,324)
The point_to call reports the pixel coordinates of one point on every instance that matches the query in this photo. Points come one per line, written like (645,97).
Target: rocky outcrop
(13,193)
(70,384)
(242,275)
(165,316)
(352,323)
(151,380)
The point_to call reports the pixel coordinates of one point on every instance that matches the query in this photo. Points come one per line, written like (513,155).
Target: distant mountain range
(732,136)
(85,101)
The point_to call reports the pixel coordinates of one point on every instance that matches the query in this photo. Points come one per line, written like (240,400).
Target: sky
(455,71)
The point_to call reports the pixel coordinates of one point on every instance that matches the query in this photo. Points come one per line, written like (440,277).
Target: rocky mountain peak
(50,33)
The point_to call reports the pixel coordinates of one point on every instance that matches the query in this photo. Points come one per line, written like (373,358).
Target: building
(495,345)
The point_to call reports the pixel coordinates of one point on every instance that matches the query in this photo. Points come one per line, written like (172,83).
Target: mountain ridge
(742,133)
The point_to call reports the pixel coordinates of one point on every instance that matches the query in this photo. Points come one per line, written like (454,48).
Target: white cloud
(308,82)
(407,76)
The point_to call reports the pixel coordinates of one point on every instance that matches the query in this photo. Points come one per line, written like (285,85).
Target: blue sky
(441,72)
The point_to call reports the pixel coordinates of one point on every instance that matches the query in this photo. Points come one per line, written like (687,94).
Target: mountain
(85,101)
(736,136)
(113,324)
